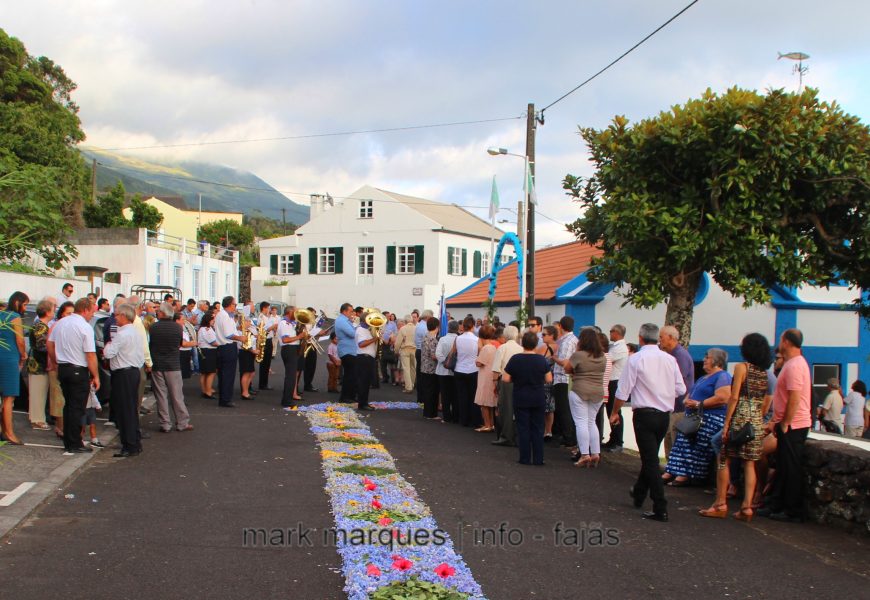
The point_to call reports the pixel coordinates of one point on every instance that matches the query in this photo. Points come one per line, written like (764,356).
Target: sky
(167,73)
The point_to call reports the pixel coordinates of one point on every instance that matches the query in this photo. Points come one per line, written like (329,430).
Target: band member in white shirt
(270,322)
(228,353)
(126,356)
(290,335)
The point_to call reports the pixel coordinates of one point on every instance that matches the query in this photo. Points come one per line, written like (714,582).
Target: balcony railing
(185,246)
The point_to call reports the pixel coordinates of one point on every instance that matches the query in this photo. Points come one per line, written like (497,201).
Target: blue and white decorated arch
(497,266)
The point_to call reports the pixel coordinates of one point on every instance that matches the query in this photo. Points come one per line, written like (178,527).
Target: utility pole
(531,126)
(94,181)
(284,219)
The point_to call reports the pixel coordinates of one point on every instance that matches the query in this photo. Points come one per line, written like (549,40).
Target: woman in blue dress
(12,356)
(690,457)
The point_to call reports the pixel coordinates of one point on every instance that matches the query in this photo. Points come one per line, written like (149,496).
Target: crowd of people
(527,387)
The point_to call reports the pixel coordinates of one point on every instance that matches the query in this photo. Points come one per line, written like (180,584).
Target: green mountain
(222,188)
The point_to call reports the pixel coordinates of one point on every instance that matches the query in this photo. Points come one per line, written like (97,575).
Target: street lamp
(522,217)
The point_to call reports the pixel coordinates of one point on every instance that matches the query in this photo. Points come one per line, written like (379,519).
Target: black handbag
(746,433)
(690,424)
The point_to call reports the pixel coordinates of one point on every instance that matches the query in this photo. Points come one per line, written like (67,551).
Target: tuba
(376,321)
(306,319)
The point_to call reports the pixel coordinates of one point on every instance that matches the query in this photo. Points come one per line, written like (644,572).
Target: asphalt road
(169,523)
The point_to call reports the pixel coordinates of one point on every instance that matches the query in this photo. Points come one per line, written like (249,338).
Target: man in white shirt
(619,355)
(365,364)
(652,379)
(227,352)
(71,343)
(126,357)
(270,323)
(562,381)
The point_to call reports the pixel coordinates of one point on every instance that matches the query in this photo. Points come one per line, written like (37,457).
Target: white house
(375,248)
(142,257)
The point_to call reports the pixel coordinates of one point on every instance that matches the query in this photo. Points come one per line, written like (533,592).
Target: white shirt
(363,334)
(126,349)
(73,338)
(504,354)
(619,355)
(206,338)
(652,378)
(854,409)
(268,321)
(224,328)
(140,327)
(466,353)
(287,329)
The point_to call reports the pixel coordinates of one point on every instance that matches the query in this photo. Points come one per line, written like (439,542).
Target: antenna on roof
(329,199)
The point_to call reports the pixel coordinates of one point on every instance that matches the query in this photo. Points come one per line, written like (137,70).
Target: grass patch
(414,589)
(365,470)
(375,515)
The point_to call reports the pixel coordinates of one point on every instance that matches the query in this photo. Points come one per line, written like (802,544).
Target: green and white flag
(530,187)
(493,201)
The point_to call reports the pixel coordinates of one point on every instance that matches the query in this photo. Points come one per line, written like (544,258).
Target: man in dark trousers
(228,352)
(126,355)
(347,351)
(652,380)
(270,324)
(310,364)
(72,344)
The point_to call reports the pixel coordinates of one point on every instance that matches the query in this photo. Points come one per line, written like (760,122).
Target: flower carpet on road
(390,545)
(397,405)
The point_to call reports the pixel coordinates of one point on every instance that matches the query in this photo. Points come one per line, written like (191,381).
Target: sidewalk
(31,473)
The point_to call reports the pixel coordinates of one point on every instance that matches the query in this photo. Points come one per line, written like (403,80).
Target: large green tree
(44,177)
(226,232)
(109,210)
(754,189)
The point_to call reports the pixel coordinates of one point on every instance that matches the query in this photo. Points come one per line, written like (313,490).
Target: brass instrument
(261,340)
(248,343)
(306,318)
(376,321)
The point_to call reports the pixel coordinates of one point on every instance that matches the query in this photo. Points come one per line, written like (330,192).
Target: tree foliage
(39,127)
(216,233)
(266,228)
(108,211)
(754,189)
(144,215)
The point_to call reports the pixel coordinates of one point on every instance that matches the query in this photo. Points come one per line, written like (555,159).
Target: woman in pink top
(485,397)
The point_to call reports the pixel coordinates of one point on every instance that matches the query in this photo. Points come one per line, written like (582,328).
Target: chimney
(316,205)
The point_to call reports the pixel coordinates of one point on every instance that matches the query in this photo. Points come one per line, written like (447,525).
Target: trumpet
(307,318)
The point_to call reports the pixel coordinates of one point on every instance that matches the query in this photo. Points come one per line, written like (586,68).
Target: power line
(319,135)
(621,56)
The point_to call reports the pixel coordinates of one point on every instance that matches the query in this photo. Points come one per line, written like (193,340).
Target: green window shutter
(391,260)
(273,264)
(464,261)
(312,261)
(477,263)
(418,259)
(295,264)
(339,259)
(450,260)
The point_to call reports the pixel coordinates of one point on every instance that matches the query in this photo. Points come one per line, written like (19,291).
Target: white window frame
(194,282)
(405,260)
(178,276)
(159,279)
(366,209)
(227,290)
(455,266)
(325,261)
(212,285)
(365,260)
(285,264)
(484,263)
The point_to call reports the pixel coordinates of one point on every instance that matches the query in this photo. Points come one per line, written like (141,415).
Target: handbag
(690,424)
(746,433)
(452,357)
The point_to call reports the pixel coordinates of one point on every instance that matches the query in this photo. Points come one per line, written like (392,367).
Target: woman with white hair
(691,456)
(831,411)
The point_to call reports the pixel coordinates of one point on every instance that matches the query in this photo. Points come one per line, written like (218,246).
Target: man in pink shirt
(790,424)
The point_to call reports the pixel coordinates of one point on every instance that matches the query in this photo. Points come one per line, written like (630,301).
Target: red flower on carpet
(444,571)
(376,505)
(383,521)
(373,571)
(402,564)
(371,487)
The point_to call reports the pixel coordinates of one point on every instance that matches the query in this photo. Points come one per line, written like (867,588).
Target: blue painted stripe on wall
(584,314)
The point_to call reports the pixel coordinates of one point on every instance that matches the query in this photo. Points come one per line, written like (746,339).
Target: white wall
(829,328)
(40,286)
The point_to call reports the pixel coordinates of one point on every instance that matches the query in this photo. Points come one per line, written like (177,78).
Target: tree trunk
(681,304)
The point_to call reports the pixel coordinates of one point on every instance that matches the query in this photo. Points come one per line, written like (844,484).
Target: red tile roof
(554,267)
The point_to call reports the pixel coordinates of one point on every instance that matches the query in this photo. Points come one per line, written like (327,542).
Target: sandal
(40,426)
(744,514)
(484,429)
(717,511)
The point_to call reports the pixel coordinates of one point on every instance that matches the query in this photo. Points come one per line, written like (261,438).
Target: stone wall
(839,479)
(244,283)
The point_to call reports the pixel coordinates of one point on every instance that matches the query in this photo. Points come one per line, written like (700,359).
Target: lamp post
(522,217)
